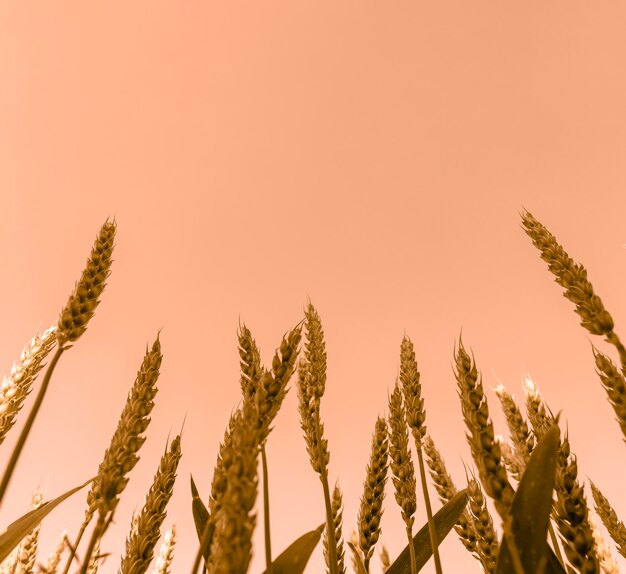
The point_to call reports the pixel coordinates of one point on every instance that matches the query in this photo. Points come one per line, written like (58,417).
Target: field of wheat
(524,507)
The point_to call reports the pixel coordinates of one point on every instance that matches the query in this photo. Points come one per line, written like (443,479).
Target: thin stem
(330,523)
(8,473)
(615,341)
(74,549)
(429,512)
(266,513)
(555,543)
(409,534)
(95,536)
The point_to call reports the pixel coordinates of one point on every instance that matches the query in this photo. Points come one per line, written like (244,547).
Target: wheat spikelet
(446,490)
(521,435)
(572,277)
(142,540)
(607,562)
(271,387)
(121,456)
(572,515)
(307,407)
(535,408)
(166,553)
(83,301)
(250,361)
(400,458)
(231,545)
(513,461)
(54,559)
(485,450)
(612,523)
(371,508)
(338,522)
(614,384)
(16,387)
(412,391)
(486,537)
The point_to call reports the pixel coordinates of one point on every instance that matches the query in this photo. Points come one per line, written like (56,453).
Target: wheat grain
(85,298)
(371,507)
(485,450)
(166,552)
(612,523)
(142,540)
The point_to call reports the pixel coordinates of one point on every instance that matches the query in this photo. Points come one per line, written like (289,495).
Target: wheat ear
(22,561)
(403,474)
(486,537)
(614,384)
(166,552)
(142,540)
(573,278)
(612,523)
(416,420)
(485,450)
(371,508)
(520,433)
(337,510)
(121,455)
(231,544)
(311,387)
(607,561)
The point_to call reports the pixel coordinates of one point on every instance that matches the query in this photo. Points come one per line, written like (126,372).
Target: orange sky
(371,156)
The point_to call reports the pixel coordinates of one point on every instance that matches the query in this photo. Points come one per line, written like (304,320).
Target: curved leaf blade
(530,512)
(295,557)
(14,533)
(444,520)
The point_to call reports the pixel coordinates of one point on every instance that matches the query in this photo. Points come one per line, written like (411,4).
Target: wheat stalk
(142,540)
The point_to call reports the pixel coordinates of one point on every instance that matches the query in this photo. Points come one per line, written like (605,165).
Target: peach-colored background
(373,156)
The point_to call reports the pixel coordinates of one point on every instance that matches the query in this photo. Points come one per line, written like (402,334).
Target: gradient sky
(372,156)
